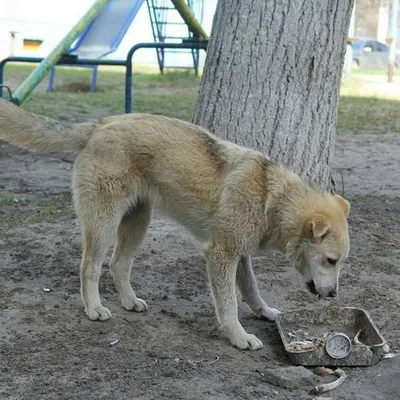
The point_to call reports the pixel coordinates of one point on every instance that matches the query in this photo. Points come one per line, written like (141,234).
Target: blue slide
(104,34)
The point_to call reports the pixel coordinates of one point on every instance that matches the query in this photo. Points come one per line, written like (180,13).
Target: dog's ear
(344,204)
(317,226)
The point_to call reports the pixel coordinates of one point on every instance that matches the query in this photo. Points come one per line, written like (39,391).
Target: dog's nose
(332,293)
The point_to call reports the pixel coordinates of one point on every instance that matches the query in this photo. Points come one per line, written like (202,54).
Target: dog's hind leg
(98,233)
(247,284)
(222,265)
(131,232)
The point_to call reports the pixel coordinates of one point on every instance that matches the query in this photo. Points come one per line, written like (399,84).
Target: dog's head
(325,244)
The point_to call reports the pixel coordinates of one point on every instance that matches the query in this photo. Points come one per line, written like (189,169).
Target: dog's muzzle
(324,292)
(311,287)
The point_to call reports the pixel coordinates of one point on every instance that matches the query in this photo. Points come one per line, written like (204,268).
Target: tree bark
(272,77)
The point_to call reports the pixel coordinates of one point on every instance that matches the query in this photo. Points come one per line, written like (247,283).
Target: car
(368,53)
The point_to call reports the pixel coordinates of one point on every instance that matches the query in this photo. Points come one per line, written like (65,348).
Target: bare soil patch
(50,350)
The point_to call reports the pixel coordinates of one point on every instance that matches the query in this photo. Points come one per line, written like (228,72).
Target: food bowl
(330,336)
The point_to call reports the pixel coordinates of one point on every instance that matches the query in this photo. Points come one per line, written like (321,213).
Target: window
(32,44)
(370,44)
(381,47)
(357,45)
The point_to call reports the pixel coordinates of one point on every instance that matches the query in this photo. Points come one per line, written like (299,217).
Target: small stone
(289,377)
(152,353)
(386,348)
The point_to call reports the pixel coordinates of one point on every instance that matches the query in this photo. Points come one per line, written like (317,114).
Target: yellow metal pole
(189,19)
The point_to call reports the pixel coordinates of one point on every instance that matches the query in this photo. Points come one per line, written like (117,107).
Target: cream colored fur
(235,199)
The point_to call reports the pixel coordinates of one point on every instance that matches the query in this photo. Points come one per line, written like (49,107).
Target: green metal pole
(26,88)
(189,18)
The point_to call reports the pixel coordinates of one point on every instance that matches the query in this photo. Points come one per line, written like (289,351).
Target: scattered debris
(289,377)
(389,355)
(46,289)
(333,385)
(303,341)
(113,342)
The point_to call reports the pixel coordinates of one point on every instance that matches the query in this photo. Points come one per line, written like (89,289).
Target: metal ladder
(163,17)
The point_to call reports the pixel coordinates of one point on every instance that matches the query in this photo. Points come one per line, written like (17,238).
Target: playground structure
(163,17)
(89,41)
(96,42)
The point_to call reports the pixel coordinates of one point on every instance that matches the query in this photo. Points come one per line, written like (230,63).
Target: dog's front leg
(247,284)
(222,264)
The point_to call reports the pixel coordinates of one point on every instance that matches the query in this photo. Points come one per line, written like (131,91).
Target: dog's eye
(332,261)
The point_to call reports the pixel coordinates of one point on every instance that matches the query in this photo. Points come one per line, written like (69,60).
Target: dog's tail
(39,133)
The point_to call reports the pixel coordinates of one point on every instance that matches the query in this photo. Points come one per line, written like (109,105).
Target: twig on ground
(145,365)
(341,174)
(212,361)
(203,361)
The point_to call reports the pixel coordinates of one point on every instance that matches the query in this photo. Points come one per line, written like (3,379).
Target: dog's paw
(240,338)
(268,313)
(247,341)
(98,313)
(134,304)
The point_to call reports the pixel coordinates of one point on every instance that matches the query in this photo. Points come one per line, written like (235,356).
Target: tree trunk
(272,77)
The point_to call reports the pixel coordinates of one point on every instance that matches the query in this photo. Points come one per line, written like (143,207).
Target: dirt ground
(50,350)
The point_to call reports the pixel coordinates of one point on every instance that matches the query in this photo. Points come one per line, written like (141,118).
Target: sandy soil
(50,350)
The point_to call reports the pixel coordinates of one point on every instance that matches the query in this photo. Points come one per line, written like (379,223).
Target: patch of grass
(46,212)
(375,72)
(364,107)
(49,209)
(173,93)
(368,107)
(368,115)
(10,200)
(352,199)
(6,201)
